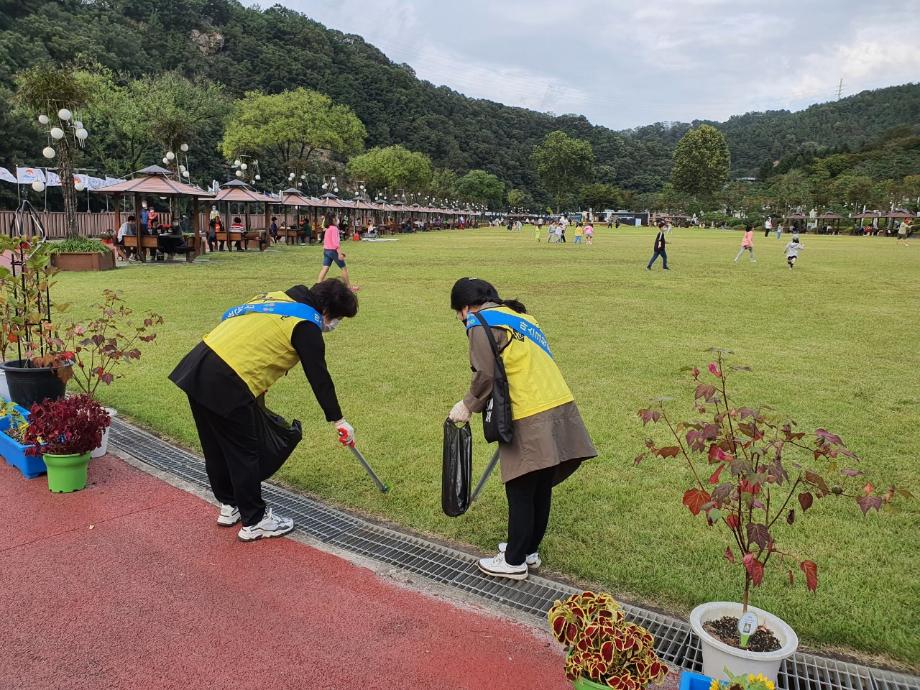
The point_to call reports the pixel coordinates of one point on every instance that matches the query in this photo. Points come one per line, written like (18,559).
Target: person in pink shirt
(747,243)
(332,251)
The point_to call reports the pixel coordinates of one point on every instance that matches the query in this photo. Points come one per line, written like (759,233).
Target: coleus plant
(755,474)
(602,646)
(69,426)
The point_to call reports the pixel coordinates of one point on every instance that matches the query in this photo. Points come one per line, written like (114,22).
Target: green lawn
(833,343)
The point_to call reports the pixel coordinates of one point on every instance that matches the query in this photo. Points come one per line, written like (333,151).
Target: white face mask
(330,325)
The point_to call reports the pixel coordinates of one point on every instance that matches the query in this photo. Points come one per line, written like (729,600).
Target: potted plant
(64,432)
(603,649)
(698,681)
(42,366)
(754,475)
(103,344)
(13,424)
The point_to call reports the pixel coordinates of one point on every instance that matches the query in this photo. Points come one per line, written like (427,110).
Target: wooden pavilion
(154,181)
(238,192)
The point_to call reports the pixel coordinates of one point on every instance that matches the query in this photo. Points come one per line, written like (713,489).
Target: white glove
(345,431)
(459,413)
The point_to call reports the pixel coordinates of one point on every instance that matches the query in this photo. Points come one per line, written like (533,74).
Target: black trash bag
(277,439)
(457,469)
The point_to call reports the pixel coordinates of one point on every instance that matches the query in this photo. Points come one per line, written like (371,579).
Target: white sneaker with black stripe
(532,559)
(228,515)
(271,525)
(499,567)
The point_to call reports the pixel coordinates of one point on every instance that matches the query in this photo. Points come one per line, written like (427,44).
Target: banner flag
(7,176)
(29,175)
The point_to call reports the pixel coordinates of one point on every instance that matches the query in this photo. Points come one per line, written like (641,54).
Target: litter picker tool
(485,476)
(367,468)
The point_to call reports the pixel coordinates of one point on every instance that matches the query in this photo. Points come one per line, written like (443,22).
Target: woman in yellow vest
(226,376)
(549,438)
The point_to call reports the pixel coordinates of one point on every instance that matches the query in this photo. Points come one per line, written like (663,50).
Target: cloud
(506,84)
(624,63)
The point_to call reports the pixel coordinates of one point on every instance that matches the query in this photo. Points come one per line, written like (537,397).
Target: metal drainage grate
(674,640)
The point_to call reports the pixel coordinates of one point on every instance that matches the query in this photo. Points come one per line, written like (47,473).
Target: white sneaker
(228,516)
(271,525)
(532,559)
(498,567)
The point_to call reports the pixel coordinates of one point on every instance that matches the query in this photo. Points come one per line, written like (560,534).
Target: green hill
(278,49)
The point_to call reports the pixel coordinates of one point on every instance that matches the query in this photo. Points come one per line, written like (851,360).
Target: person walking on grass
(226,377)
(792,251)
(549,439)
(747,243)
(904,230)
(589,234)
(767,227)
(578,234)
(660,250)
(332,252)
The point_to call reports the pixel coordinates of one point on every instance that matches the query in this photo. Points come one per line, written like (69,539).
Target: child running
(792,251)
(589,233)
(747,243)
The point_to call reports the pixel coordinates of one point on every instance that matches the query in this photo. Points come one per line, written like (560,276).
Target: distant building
(626,217)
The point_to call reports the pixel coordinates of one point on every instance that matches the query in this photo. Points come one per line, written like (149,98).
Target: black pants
(529,499)
(234,458)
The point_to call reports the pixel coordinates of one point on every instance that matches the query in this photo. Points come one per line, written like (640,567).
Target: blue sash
(296,309)
(521,326)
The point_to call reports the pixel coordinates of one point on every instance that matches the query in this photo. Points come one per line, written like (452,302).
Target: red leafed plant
(69,426)
(602,645)
(99,346)
(752,472)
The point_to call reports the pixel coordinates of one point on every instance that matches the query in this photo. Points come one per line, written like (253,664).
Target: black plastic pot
(29,385)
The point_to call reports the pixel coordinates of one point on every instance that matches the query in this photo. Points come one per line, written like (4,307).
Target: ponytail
(513,304)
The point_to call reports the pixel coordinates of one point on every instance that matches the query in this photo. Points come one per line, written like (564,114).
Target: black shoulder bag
(496,417)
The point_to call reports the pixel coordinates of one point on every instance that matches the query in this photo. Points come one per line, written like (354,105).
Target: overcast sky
(625,63)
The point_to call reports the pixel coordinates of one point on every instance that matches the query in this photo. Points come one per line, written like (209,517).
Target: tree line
(219,55)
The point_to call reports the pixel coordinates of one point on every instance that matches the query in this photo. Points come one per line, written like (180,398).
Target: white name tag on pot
(747,624)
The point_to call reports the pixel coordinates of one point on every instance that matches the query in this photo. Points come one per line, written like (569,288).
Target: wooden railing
(55,224)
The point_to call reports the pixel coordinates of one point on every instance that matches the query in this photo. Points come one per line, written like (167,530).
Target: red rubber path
(130,584)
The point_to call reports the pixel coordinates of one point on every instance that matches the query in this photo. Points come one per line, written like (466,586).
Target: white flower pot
(104,446)
(717,655)
(4,387)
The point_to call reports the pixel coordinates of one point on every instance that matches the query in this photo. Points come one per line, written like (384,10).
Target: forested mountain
(278,49)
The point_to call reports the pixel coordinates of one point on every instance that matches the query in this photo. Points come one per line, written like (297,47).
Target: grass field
(833,343)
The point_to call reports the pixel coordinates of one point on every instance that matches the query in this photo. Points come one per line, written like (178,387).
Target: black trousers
(529,499)
(234,458)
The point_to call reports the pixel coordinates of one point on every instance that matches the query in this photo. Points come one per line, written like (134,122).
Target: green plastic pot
(66,473)
(588,684)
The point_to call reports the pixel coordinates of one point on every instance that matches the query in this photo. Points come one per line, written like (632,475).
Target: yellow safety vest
(534,381)
(257,346)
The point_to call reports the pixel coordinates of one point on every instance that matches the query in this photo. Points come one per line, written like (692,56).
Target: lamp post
(64,137)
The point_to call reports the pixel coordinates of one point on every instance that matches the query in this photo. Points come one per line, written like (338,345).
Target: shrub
(78,244)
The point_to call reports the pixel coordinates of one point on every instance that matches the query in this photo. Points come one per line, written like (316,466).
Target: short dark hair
(335,298)
(329,220)
(130,218)
(748,227)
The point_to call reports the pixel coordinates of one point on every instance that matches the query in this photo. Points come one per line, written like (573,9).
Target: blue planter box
(694,681)
(15,453)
